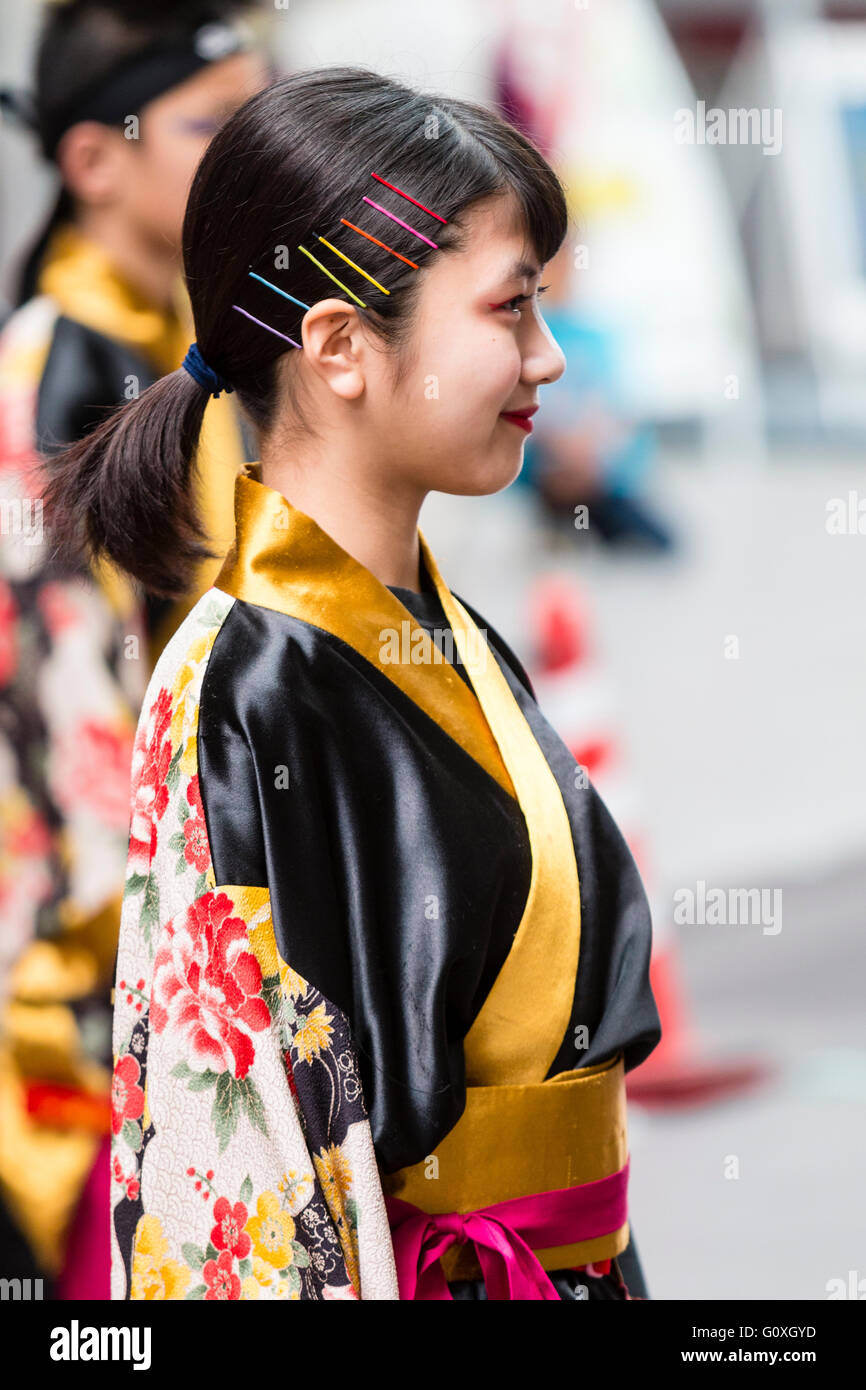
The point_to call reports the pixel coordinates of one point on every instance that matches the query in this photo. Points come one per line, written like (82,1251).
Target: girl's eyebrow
(521,270)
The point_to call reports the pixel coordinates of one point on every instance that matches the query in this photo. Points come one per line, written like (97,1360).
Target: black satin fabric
(626,1279)
(382,815)
(398,868)
(428,612)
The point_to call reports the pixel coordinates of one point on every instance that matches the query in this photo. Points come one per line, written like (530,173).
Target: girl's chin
(487,478)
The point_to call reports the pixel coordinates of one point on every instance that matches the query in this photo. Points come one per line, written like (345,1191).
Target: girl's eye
(513,305)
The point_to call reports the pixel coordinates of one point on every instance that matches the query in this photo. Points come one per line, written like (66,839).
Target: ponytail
(124,491)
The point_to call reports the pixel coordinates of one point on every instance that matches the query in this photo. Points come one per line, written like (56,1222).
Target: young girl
(384,954)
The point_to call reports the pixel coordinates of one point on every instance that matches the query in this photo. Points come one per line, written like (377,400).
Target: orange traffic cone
(578,702)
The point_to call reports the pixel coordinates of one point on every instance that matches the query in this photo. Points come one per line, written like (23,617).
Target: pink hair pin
(394,218)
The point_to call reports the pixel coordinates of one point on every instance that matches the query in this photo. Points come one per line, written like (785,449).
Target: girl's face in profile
(151,175)
(479,348)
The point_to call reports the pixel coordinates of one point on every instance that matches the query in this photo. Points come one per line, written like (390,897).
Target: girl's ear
(334,346)
(90,158)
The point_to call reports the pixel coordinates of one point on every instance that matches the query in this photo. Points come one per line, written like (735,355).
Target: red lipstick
(521,418)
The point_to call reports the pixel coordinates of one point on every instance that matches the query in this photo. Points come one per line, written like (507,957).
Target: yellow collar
(283,560)
(79,275)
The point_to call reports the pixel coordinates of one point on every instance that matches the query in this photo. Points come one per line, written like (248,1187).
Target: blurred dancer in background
(125,101)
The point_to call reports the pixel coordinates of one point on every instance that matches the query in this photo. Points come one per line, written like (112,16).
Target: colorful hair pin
(394,218)
(383,244)
(325,271)
(409,197)
(338,252)
(275,331)
(332,277)
(270,286)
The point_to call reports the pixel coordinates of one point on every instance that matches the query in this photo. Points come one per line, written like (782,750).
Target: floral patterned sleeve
(72,675)
(71,681)
(242,1157)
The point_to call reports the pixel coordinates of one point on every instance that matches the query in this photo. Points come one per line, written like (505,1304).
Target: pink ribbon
(504,1236)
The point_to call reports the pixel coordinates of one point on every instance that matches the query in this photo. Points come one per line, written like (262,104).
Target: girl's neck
(151,271)
(365,516)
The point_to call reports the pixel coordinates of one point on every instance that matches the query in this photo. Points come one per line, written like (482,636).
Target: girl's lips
(522,420)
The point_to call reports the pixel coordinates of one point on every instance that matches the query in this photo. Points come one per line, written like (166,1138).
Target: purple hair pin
(276,332)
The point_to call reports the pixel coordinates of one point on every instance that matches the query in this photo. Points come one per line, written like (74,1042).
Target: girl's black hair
(79,43)
(284,169)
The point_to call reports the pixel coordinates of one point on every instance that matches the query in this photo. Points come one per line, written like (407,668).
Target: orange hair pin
(384,245)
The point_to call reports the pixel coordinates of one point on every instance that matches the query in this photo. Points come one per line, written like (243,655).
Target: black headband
(132,82)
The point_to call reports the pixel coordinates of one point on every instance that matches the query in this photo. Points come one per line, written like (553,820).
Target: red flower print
(8,634)
(229,1233)
(93,768)
(58,608)
(207,985)
(221,1282)
(131,1183)
(127,1097)
(30,837)
(196,850)
(290,1077)
(16,435)
(150,762)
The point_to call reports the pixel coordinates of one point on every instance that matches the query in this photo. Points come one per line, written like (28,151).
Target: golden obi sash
(512,1141)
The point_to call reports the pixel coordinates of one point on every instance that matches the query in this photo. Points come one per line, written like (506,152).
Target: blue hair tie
(199,370)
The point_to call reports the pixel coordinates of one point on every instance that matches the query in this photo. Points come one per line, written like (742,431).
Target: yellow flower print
(314,1034)
(180,690)
(196,653)
(296,1189)
(264,1282)
(188,762)
(292,983)
(335,1175)
(184,720)
(154,1275)
(272,1232)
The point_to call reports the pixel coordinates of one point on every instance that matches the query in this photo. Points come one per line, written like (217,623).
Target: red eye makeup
(518,299)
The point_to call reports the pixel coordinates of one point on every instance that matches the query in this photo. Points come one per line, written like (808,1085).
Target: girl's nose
(544,361)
